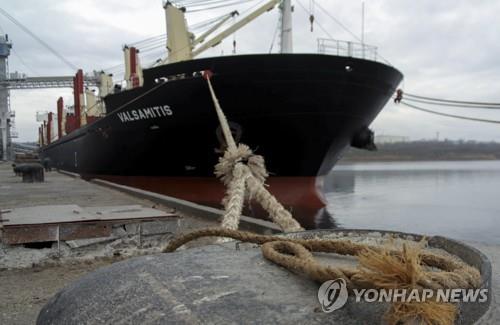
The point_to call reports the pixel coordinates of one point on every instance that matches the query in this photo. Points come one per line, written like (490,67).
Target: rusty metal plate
(42,233)
(81,231)
(33,234)
(69,222)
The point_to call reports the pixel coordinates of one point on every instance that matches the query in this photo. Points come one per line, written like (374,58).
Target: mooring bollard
(32,173)
(47,164)
(226,284)
(16,169)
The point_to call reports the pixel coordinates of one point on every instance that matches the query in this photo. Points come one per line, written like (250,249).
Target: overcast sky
(445,49)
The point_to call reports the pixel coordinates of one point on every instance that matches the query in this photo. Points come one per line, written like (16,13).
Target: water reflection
(455,199)
(325,220)
(340,181)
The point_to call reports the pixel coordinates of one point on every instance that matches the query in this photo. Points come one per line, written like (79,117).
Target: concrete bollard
(16,170)
(47,164)
(233,283)
(31,173)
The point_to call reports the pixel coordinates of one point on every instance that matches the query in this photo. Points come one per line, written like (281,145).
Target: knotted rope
(378,268)
(244,174)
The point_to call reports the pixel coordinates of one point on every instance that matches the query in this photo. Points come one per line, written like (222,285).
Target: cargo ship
(161,133)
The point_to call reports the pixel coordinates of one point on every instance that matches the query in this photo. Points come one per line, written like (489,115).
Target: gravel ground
(24,292)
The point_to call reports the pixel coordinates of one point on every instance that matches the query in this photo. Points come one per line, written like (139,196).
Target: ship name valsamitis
(145,113)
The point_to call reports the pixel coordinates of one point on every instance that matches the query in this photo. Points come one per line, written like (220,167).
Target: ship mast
(286,27)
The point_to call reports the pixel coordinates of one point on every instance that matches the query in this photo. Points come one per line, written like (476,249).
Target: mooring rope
(244,174)
(379,268)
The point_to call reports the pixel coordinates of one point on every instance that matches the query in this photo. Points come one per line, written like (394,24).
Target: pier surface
(58,189)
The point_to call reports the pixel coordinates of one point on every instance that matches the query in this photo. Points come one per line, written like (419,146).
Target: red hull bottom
(300,195)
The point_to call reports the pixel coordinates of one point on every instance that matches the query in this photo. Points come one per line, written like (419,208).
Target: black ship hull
(298,111)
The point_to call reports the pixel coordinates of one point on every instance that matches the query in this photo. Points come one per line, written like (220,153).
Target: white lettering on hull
(145,113)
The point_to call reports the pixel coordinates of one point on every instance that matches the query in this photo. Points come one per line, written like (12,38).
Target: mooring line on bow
(244,175)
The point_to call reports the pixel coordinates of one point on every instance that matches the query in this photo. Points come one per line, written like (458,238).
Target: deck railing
(346,48)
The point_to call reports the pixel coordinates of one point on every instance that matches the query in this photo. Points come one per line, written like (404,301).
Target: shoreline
(427,151)
(348,160)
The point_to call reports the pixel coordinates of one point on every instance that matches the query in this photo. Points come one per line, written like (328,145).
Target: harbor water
(460,200)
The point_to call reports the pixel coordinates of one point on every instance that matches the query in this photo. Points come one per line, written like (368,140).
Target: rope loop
(380,267)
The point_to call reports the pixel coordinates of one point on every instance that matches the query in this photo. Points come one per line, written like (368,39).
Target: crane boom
(203,36)
(217,39)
